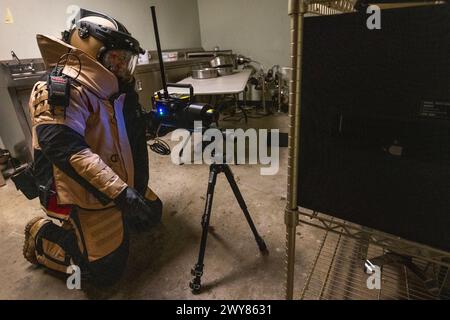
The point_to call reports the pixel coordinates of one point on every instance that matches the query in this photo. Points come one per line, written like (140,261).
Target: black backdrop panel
(375,123)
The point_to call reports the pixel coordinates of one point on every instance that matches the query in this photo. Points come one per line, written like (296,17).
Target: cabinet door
(23,96)
(20,97)
(146,85)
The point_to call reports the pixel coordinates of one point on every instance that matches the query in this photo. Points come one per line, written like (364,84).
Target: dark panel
(375,137)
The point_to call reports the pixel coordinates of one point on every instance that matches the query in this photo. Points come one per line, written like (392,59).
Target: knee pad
(108,270)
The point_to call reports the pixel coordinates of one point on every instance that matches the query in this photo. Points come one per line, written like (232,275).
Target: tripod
(214,170)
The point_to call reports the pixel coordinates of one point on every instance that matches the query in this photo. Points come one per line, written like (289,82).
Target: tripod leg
(197,271)
(237,193)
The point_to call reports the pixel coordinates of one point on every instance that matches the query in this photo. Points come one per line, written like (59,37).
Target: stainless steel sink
(29,70)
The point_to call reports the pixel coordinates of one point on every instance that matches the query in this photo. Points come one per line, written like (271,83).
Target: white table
(232,84)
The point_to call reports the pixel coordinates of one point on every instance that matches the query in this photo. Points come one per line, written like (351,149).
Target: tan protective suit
(107,164)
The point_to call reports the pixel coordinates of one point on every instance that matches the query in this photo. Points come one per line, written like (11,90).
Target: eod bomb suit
(90,157)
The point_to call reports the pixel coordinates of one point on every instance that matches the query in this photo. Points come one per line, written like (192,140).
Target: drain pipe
(297,10)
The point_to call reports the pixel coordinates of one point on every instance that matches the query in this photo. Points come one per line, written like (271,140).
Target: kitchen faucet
(28,67)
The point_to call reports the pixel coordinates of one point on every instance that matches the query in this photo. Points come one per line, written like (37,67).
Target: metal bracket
(196,273)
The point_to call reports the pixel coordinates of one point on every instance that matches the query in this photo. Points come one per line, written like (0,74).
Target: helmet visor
(120,62)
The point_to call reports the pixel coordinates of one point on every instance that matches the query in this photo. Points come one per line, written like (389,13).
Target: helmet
(106,40)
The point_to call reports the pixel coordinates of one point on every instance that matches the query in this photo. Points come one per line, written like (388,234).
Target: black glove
(137,213)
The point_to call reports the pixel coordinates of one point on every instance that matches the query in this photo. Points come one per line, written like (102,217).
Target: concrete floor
(159,264)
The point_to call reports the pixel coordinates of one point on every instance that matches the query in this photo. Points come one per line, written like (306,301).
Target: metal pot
(240,59)
(222,61)
(224,71)
(204,73)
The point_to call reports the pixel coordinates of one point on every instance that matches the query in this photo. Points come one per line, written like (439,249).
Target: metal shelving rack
(325,280)
(337,270)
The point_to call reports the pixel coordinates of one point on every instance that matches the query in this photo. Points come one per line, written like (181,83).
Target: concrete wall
(255,28)
(177,19)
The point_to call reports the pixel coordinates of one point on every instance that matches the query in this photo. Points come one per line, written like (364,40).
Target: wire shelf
(337,273)
(321,7)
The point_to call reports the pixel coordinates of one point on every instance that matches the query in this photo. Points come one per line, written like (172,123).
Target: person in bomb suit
(90,157)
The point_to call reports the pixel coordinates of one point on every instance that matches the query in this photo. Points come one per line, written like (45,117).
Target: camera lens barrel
(202,112)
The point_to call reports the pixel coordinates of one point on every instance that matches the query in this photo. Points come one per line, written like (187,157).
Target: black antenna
(158,48)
